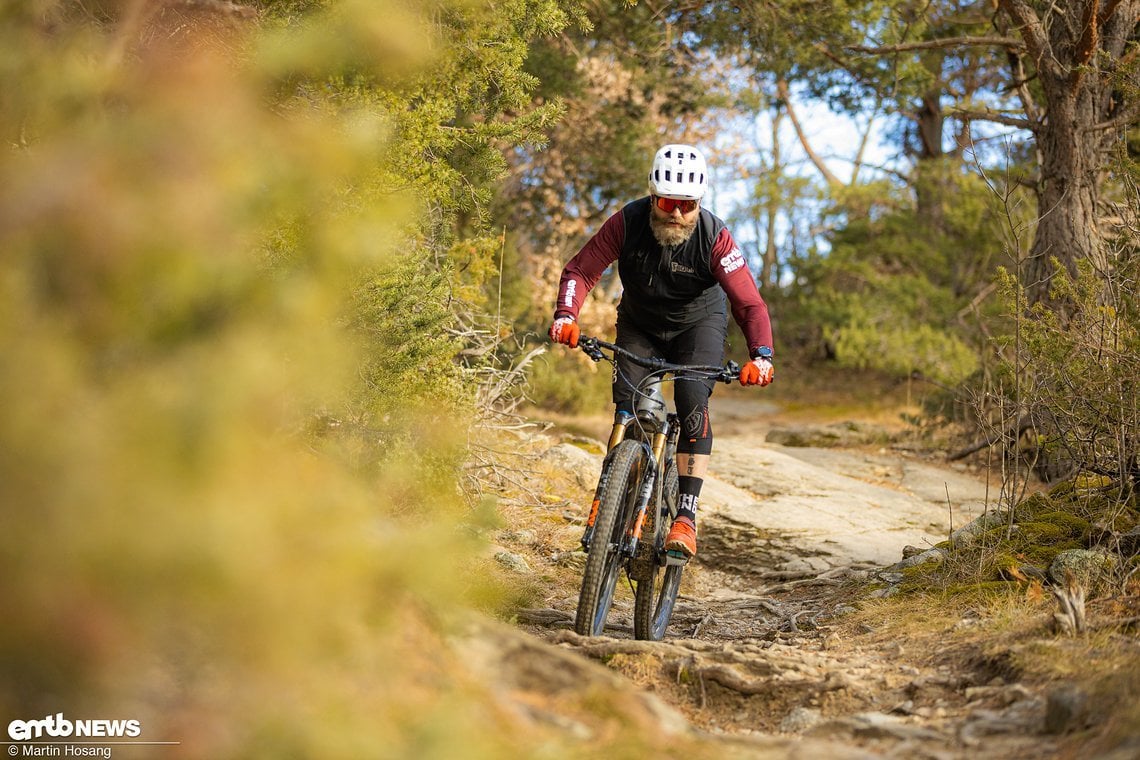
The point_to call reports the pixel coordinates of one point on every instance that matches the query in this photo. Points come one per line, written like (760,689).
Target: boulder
(1089,568)
(572,459)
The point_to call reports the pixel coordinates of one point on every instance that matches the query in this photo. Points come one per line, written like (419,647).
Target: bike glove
(565,330)
(759,371)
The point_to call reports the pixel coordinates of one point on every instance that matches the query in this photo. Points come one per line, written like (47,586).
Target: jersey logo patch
(733,261)
(571,287)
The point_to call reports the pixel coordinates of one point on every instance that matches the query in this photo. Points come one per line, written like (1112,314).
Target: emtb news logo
(59,726)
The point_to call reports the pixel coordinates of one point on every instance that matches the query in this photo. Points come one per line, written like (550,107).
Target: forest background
(271,270)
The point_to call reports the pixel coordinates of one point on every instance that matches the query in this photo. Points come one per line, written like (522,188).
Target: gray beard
(668,235)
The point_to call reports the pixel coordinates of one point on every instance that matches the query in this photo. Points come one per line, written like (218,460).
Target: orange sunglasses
(668,204)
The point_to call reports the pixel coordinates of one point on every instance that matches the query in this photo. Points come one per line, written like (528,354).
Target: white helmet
(679,171)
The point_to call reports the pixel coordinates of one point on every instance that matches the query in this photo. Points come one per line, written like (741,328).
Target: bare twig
(1070,619)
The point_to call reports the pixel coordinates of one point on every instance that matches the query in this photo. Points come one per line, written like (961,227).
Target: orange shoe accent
(682,537)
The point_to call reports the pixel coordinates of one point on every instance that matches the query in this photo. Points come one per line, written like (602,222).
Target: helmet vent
(678,171)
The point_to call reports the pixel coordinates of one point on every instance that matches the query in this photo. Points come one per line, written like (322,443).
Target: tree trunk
(1067,226)
(930,187)
(1076,47)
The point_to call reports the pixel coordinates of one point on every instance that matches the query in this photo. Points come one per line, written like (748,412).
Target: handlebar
(592,347)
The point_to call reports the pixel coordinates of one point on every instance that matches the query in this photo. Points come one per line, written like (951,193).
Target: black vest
(668,288)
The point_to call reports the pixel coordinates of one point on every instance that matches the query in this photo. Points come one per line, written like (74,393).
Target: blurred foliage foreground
(178,546)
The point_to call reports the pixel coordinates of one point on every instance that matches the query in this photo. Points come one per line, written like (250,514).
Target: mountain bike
(635,501)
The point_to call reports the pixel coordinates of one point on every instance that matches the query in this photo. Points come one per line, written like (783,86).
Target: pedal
(674,557)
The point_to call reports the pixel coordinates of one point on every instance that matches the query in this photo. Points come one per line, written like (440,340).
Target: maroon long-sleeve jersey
(669,288)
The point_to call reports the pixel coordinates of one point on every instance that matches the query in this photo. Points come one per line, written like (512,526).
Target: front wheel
(657,589)
(616,511)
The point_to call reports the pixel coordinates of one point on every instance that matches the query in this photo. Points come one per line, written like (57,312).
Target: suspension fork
(649,493)
(644,495)
(622,421)
(665,451)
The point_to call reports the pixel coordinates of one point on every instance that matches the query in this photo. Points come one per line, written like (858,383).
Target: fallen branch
(730,678)
(1009,437)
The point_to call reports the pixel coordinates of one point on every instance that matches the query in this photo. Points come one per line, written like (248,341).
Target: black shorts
(703,343)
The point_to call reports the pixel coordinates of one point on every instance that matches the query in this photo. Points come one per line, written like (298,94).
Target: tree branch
(1124,119)
(857,164)
(997,118)
(1106,12)
(1020,86)
(786,97)
(948,42)
(1033,32)
(1090,35)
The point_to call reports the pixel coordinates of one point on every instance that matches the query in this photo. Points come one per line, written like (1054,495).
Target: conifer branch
(948,42)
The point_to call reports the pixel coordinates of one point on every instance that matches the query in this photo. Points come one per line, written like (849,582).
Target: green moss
(1038,532)
(997,536)
(1033,542)
(985,589)
(916,573)
(1076,504)
(1008,564)
(1038,503)
(1072,526)
(1086,481)
(1063,490)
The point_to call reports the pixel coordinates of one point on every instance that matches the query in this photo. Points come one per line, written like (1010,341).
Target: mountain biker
(676,261)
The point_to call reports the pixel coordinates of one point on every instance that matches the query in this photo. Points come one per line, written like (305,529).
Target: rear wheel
(657,589)
(616,509)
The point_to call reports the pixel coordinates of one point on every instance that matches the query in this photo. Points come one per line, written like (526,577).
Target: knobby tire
(656,593)
(615,513)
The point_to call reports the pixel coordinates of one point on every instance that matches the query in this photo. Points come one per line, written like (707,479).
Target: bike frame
(637,474)
(655,435)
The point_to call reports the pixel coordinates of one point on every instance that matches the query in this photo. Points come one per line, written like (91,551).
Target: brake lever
(730,372)
(591,348)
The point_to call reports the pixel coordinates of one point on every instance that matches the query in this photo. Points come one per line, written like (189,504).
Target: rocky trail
(765,656)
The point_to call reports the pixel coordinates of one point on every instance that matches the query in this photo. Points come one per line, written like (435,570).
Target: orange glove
(565,330)
(759,371)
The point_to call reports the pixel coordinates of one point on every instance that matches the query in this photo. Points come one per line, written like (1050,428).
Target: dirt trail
(758,651)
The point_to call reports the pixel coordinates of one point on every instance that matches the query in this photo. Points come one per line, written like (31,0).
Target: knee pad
(696,432)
